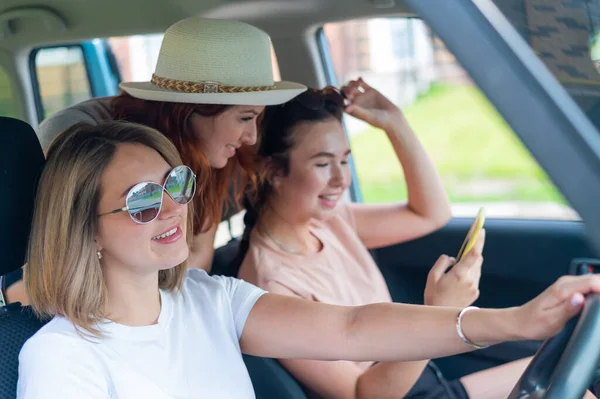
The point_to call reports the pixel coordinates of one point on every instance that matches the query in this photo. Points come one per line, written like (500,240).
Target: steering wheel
(565,364)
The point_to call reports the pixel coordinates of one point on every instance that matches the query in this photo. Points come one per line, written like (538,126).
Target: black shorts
(432,385)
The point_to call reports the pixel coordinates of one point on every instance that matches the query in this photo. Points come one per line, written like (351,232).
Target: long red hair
(173,120)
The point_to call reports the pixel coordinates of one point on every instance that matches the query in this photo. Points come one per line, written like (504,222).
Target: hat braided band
(204,87)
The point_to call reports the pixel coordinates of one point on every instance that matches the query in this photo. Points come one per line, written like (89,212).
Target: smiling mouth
(330,197)
(165,235)
(232,147)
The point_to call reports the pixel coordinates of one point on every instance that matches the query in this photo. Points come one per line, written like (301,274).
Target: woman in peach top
(307,243)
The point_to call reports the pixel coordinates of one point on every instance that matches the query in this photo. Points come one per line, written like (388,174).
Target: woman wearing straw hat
(213,79)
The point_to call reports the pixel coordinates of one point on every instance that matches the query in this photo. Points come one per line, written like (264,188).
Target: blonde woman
(107,264)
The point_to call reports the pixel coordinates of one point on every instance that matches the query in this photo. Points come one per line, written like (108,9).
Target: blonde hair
(64,276)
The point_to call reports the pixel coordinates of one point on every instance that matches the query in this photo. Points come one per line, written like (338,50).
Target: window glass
(62,77)
(480,159)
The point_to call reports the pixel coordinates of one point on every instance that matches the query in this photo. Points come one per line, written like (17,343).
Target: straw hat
(211,61)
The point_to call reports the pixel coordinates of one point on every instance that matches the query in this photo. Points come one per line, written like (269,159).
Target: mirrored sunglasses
(144,201)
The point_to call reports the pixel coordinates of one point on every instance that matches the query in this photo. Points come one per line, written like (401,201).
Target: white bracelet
(460,331)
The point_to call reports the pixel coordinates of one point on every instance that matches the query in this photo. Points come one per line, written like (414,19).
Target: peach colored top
(341,273)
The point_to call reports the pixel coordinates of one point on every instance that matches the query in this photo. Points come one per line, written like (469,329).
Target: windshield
(565,34)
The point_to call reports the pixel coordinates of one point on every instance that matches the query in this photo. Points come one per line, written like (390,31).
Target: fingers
(356,111)
(580,284)
(476,273)
(439,268)
(560,302)
(364,84)
(359,112)
(576,301)
(479,244)
(570,307)
(352,90)
(568,291)
(477,247)
(567,286)
(355,88)
(470,264)
(551,320)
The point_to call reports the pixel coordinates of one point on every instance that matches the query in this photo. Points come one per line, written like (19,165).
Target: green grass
(478,156)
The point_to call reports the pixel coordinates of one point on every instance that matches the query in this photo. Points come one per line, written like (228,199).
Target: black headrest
(21,163)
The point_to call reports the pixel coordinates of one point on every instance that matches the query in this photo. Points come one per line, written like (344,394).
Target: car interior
(519,53)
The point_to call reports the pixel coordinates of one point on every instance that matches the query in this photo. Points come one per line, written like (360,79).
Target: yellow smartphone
(472,234)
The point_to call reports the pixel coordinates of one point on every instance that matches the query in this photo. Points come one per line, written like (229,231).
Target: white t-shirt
(192,352)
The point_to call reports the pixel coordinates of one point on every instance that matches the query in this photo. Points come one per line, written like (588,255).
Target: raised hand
(370,105)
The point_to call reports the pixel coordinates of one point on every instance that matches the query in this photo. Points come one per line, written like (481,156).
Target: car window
(8,107)
(480,159)
(136,55)
(61,78)
(565,35)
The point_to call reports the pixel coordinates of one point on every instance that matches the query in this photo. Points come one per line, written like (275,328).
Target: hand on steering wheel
(546,315)
(565,364)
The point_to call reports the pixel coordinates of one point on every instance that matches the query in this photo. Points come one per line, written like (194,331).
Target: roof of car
(31,23)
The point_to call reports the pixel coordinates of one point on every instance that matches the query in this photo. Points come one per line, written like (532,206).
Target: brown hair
(173,120)
(64,275)
(278,140)
(278,137)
